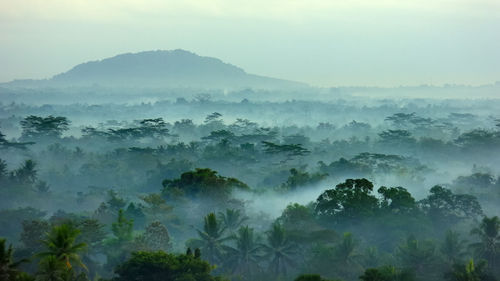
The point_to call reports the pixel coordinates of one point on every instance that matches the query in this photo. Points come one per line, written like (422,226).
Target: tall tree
(244,258)
(348,202)
(160,266)
(44,127)
(446,208)
(155,238)
(346,257)
(232,219)
(8,267)
(418,256)
(51,268)
(279,250)
(27,173)
(470,272)
(453,247)
(33,232)
(61,243)
(120,246)
(488,246)
(123,227)
(211,239)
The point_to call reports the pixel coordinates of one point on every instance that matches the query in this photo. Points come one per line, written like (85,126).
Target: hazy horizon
(362,43)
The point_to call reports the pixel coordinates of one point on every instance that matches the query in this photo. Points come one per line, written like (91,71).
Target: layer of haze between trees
(263,183)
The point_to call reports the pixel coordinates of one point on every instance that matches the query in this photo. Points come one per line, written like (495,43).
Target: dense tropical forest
(206,189)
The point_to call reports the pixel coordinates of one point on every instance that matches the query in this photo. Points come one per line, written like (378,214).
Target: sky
(323,43)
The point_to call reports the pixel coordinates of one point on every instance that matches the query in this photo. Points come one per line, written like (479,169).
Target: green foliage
(279,250)
(159,266)
(397,199)
(407,120)
(341,260)
(155,238)
(115,202)
(121,244)
(26,174)
(243,260)
(488,246)
(346,257)
(349,202)
(288,150)
(387,273)
(211,240)
(51,268)
(447,208)
(4,173)
(122,229)
(201,183)
(11,220)
(312,277)
(91,233)
(33,232)
(470,272)
(299,178)
(476,180)
(232,219)
(156,204)
(60,242)
(396,137)
(453,247)
(419,256)
(8,267)
(296,213)
(35,127)
(219,135)
(478,138)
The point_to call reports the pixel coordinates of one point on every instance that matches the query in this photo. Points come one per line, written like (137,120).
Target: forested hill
(163,69)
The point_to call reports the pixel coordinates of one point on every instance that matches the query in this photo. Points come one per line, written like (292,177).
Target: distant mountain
(159,69)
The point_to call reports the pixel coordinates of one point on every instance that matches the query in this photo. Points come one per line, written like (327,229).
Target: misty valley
(235,187)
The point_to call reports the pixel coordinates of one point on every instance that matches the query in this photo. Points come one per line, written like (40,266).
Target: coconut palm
(346,257)
(51,268)
(60,242)
(232,219)
(279,250)
(453,247)
(469,272)
(211,239)
(418,256)
(8,267)
(488,247)
(345,251)
(243,260)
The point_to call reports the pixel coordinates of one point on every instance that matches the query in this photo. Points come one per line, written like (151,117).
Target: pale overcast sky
(324,43)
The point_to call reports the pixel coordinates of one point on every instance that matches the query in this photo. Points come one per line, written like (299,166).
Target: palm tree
(452,247)
(417,255)
(8,267)
(469,272)
(232,219)
(51,269)
(27,173)
(211,239)
(346,257)
(489,245)
(60,242)
(279,250)
(345,250)
(243,259)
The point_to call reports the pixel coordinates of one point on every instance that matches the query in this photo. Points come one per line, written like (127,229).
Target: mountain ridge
(160,68)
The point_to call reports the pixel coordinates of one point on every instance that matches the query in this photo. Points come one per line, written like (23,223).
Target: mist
(277,140)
